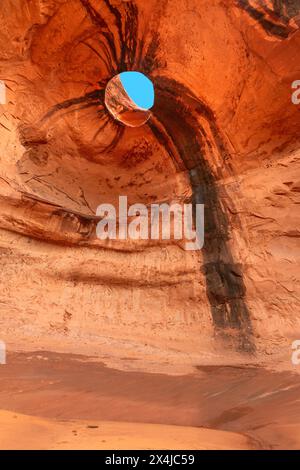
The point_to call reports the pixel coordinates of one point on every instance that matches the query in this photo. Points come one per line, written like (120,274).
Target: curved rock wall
(223,132)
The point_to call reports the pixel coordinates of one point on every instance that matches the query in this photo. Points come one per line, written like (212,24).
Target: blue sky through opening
(139,88)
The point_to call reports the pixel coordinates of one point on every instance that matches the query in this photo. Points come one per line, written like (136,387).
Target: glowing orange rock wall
(224,129)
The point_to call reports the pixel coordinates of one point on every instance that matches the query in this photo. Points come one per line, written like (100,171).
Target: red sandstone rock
(223,125)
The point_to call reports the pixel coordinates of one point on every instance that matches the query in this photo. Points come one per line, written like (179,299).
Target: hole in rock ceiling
(129,97)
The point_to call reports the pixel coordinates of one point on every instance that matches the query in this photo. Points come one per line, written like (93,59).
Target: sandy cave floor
(61,401)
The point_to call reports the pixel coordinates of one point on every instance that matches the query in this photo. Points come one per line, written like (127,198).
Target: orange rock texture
(223,131)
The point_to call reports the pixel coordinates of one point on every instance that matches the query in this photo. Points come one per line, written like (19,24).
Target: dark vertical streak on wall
(175,119)
(274,20)
(99,21)
(126,21)
(131,34)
